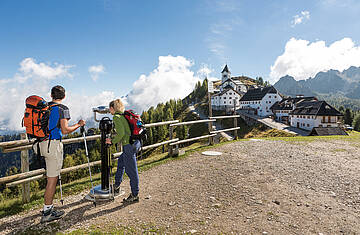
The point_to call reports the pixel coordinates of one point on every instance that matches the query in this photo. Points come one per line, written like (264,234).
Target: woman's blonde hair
(117,105)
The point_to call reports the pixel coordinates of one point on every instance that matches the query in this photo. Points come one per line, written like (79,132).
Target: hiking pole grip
(82,129)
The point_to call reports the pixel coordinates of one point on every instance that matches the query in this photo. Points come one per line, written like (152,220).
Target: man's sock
(47,207)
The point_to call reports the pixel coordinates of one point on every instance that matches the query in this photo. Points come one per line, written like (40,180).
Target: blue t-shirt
(57,113)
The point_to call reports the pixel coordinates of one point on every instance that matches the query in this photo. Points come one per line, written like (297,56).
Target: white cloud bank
(95,71)
(35,78)
(172,79)
(302,59)
(298,19)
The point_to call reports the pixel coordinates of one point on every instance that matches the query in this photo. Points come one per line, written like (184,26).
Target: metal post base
(102,195)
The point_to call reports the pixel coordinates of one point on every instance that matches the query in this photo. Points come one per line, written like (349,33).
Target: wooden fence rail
(64,141)
(24,145)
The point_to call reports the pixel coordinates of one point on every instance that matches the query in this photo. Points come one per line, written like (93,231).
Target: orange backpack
(36,117)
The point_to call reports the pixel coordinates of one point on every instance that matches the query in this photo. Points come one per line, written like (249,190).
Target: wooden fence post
(25,168)
(170,148)
(235,131)
(211,139)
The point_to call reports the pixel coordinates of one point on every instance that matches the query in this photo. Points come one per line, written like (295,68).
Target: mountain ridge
(331,83)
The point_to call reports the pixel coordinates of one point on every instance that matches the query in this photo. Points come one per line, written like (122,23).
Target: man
(52,150)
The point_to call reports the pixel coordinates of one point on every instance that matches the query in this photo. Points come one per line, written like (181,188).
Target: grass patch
(258,133)
(353,136)
(143,228)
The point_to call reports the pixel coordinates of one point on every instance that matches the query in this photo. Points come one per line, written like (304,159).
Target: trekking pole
(61,194)
(82,130)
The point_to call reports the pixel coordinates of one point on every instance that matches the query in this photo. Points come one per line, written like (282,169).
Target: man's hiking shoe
(131,198)
(51,215)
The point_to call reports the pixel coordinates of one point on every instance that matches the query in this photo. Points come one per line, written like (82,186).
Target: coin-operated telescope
(104,191)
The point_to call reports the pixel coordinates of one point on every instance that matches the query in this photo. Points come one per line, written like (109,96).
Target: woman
(127,160)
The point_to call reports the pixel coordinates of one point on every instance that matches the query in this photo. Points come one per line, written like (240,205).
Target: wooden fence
(24,145)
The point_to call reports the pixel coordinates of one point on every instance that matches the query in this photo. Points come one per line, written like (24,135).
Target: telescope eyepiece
(106,125)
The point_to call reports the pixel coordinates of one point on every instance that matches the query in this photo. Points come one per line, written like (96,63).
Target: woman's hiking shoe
(117,189)
(51,215)
(131,198)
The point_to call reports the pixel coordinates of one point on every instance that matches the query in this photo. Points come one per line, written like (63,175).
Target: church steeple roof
(226,69)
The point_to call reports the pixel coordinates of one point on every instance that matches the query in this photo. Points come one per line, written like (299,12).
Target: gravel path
(255,187)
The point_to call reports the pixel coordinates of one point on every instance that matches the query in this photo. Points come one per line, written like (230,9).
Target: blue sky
(127,38)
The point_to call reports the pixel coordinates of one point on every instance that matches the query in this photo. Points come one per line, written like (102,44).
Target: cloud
(95,70)
(205,72)
(221,30)
(341,3)
(302,59)
(30,69)
(36,78)
(172,79)
(226,6)
(81,105)
(298,19)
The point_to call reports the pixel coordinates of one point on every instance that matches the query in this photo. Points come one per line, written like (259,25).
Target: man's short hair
(58,92)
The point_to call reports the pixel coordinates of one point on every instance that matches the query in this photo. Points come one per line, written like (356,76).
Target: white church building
(230,92)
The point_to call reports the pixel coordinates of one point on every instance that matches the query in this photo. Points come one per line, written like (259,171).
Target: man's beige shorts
(53,157)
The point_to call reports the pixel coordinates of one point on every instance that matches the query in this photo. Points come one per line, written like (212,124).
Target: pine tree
(261,81)
(348,119)
(145,117)
(150,136)
(169,114)
(356,122)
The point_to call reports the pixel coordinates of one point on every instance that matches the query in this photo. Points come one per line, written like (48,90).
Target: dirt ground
(254,187)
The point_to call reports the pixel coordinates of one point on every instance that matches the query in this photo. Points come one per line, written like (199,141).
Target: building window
(230,97)
(275,97)
(229,102)
(269,96)
(308,125)
(224,102)
(224,98)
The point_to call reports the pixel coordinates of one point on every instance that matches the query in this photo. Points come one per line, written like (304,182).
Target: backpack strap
(38,154)
(51,106)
